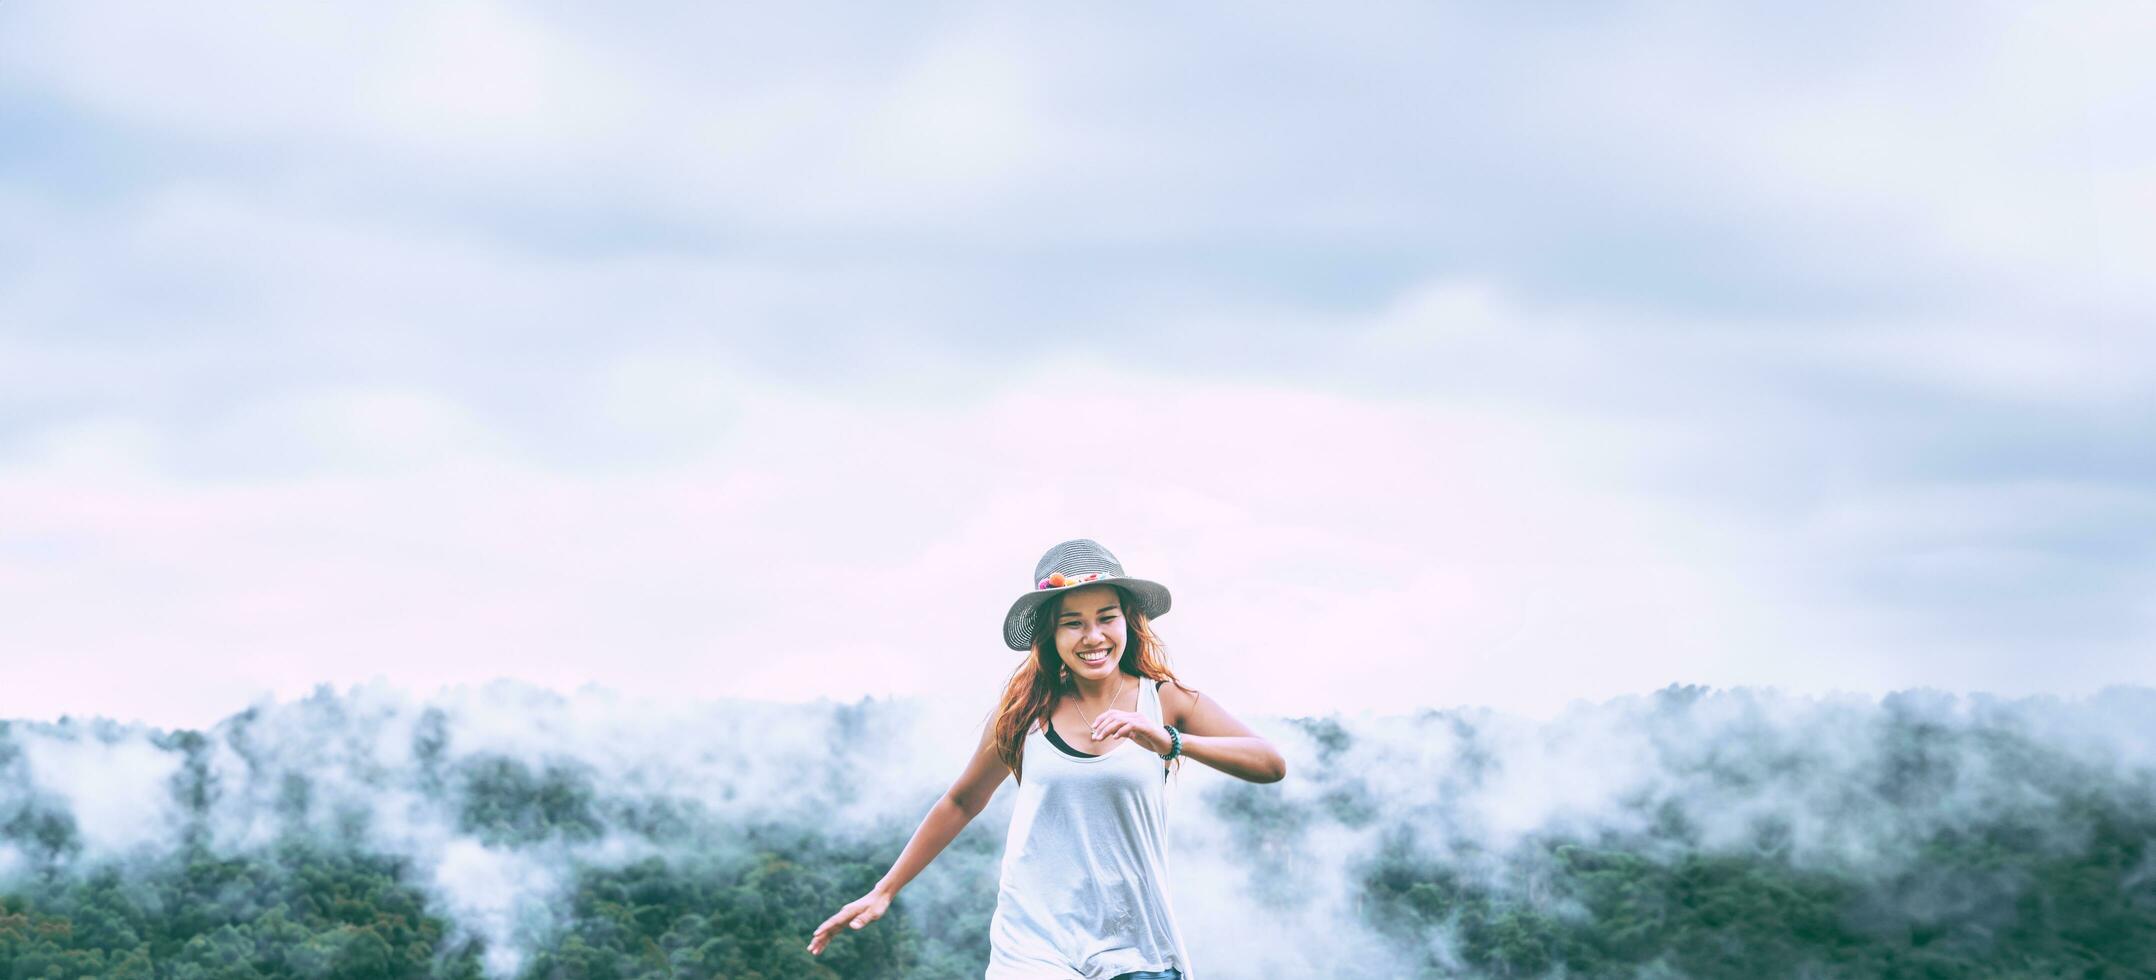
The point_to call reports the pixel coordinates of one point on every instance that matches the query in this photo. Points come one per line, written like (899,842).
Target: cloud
(454,344)
(1281,515)
(1765,162)
(498,798)
(110,783)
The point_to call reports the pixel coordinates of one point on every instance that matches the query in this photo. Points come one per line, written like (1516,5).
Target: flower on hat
(1057,580)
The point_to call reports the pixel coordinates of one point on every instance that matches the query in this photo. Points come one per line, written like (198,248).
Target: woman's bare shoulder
(1176,700)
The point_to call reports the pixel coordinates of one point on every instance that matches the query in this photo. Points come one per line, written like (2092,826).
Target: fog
(499,798)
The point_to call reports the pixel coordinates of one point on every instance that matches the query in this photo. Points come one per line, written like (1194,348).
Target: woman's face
(1089,631)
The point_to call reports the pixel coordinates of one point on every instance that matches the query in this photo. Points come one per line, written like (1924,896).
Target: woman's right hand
(859,912)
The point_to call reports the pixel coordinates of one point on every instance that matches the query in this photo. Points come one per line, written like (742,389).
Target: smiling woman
(1084,889)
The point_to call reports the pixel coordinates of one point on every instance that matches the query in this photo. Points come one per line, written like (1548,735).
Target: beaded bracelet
(1175,743)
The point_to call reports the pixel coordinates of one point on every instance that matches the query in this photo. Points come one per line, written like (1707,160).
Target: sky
(1430,354)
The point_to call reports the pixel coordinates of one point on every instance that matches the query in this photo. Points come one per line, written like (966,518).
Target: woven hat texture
(1082,563)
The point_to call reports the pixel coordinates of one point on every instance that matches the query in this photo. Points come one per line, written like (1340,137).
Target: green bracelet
(1175,743)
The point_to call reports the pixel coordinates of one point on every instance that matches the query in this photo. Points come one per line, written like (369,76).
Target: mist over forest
(510,831)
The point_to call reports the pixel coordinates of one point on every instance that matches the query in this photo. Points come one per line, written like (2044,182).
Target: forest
(1939,839)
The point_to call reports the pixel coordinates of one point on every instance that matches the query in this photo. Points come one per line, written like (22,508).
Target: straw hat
(1073,565)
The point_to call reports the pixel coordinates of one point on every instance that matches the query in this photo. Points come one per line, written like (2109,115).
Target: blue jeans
(1168,974)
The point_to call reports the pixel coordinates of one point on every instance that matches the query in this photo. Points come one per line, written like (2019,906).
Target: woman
(1097,721)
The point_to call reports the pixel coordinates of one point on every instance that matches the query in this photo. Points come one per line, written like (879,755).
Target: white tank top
(1085,870)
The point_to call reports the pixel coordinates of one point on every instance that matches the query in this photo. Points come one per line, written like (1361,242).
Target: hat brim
(1152,599)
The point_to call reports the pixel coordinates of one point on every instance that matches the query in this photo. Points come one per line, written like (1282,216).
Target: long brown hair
(1041,681)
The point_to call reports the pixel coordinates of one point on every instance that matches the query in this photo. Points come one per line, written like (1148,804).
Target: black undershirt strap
(1058,742)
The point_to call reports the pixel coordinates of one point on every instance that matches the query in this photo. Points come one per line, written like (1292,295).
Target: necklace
(1111,703)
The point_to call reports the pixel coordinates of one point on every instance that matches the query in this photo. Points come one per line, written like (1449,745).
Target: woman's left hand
(1133,726)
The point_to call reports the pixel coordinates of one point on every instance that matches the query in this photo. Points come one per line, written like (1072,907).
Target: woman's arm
(965,800)
(1209,733)
(1248,757)
(1213,736)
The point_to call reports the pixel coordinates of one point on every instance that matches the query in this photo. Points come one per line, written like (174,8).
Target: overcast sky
(1431,354)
